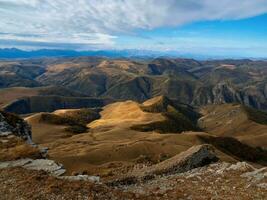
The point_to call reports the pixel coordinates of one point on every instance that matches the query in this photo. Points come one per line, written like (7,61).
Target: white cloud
(97,21)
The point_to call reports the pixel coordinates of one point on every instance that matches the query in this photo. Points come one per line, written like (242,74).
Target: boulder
(241,166)
(93,179)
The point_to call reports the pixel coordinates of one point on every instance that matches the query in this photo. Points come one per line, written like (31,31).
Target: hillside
(110,155)
(9,95)
(110,139)
(233,120)
(190,81)
(49,127)
(34,104)
(126,134)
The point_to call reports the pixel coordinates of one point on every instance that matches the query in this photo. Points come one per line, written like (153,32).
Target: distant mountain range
(14,53)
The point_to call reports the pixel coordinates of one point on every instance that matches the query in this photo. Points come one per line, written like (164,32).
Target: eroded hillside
(192,82)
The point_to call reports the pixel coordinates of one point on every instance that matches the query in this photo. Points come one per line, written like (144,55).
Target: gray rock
(4,165)
(93,179)
(5,128)
(196,156)
(241,166)
(43,164)
(15,163)
(262,185)
(59,172)
(16,126)
(49,166)
(256,175)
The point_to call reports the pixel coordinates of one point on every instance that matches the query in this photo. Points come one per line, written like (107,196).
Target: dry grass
(48,127)
(111,146)
(15,148)
(38,185)
(124,114)
(232,120)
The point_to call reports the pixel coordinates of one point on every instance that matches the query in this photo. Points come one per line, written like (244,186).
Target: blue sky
(244,37)
(205,27)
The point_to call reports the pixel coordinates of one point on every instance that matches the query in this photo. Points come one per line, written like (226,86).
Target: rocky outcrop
(49,166)
(257,177)
(222,92)
(93,179)
(220,180)
(196,156)
(5,128)
(12,124)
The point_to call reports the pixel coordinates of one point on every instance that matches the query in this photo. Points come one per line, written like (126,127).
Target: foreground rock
(196,156)
(215,181)
(49,166)
(93,179)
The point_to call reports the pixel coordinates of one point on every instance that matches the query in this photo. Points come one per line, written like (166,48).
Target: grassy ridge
(178,117)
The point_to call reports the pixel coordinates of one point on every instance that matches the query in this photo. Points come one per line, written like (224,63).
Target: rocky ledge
(220,180)
(12,124)
(196,156)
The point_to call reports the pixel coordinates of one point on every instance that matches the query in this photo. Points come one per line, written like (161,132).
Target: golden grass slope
(111,146)
(45,132)
(124,114)
(233,120)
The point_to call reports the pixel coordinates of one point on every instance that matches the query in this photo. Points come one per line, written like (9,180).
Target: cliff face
(12,124)
(227,93)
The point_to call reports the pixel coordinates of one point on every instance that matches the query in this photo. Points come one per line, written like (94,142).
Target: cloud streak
(97,22)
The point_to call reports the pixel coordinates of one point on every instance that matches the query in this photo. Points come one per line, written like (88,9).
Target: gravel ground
(216,181)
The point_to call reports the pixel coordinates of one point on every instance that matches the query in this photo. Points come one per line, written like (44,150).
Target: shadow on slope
(237,149)
(36,104)
(75,120)
(178,117)
(255,115)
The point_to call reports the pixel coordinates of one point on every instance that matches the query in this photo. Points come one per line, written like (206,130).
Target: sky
(206,27)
